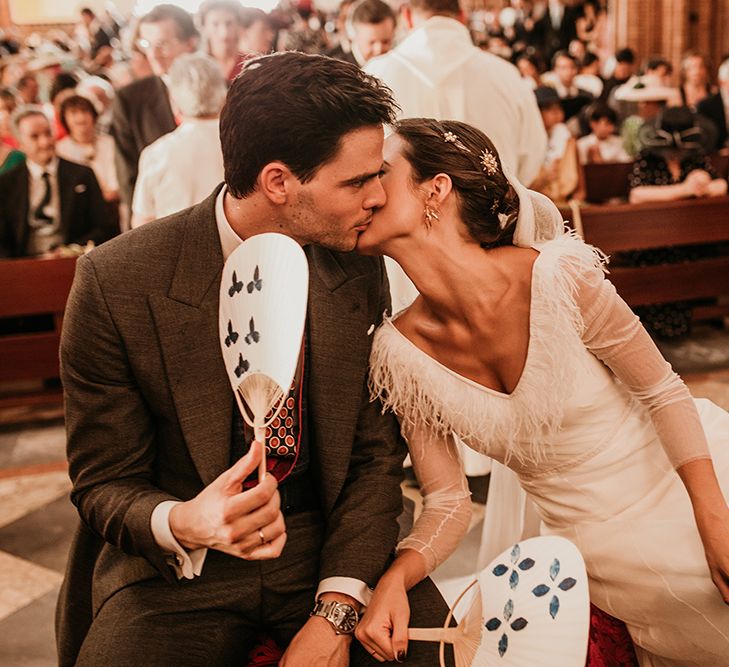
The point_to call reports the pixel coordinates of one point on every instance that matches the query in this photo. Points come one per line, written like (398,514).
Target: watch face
(345,619)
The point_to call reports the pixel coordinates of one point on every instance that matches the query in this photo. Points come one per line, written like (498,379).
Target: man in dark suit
(174,562)
(141,111)
(46,201)
(556,28)
(714,107)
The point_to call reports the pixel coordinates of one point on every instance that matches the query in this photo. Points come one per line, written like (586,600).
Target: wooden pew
(606,181)
(609,180)
(31,288)
(624,227)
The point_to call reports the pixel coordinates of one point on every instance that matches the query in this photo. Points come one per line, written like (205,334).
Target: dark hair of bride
(482,196)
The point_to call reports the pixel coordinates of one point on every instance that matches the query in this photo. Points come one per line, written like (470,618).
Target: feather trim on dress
(420,390)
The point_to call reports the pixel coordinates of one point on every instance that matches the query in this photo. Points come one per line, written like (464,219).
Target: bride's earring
(430,214)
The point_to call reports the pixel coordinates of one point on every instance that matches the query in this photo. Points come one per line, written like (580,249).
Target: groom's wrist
(341,597)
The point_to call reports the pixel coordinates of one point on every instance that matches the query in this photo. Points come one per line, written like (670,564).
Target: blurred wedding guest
(182,168)
(93,38)
(370,32)
(660,69)
(530,67)
(559,176)
(649,97)
(28,89)
(9,157)
(8,103)
(694,85)
(256,37)
(86,146)
(221,32)
(339,38)
(716,107)
(557,27)
(672,164)
(437,72)
(589,78)
(101,93)
(46,201)
(602,144)
(141,111)
(562,79)
(63,86)
(625,67)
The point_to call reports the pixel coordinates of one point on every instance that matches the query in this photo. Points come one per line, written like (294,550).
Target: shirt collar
(36,171)
(229,240)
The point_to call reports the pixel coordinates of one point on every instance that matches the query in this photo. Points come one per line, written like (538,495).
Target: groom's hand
(246,524)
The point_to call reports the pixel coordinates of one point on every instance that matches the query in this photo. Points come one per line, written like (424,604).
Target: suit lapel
(65,195)
(22,199)
(187,324)
(337,329)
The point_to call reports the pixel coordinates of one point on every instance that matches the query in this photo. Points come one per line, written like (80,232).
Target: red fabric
(610,644)
(266,654)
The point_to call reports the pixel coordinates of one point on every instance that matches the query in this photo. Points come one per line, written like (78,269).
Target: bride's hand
(383,630)
(714,530)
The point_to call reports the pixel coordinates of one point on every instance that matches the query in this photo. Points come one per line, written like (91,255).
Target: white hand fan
(530,607)
(263,295)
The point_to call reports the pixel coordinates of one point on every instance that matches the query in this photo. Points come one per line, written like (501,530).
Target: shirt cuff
(353,587)
(186,564)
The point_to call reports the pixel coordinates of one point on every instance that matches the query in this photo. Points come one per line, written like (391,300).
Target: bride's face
(402,214)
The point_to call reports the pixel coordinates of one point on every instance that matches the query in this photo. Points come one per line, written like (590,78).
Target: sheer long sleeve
(446,511)
(614,334)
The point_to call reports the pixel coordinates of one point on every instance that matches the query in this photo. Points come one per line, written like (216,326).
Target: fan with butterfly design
(529,606)
(263,297)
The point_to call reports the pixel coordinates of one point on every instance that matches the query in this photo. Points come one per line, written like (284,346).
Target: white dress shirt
(437,72)
(189,564)
(178,170)
(611,149)
(44,236)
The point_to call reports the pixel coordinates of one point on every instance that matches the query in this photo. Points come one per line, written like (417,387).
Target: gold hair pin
(451,138)
(489,162)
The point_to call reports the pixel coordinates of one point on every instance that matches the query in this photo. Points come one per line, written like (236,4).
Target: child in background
(602,144)
(560,176)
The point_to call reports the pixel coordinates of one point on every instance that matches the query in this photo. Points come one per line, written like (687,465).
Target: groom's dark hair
(295,108)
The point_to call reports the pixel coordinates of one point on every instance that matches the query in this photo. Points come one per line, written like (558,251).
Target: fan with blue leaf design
(530,607)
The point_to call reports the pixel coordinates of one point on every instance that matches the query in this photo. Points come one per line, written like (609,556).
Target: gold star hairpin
(489,162)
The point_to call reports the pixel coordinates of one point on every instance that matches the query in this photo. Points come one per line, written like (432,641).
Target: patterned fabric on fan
(535,606)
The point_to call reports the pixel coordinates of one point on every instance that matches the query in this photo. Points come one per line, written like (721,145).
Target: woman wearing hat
(672,164)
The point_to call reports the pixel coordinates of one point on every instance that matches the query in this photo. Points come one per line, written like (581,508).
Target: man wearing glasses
(141,112)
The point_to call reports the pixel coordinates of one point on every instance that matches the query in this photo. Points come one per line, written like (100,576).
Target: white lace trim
(420,390)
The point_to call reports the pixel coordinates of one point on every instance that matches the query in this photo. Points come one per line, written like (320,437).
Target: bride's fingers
(399,641)
(376,640)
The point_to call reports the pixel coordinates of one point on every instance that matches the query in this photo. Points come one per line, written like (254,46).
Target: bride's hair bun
(488,204)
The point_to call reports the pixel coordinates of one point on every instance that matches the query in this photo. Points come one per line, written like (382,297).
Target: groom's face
(336,206)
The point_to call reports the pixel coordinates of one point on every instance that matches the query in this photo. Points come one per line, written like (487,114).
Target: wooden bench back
(625,227)
(606,181)
(33,287)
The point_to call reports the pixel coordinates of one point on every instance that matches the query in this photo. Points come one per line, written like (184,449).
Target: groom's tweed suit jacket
(149,406)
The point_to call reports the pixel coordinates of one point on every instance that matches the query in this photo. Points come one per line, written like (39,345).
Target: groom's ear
(440,187)
(275,182)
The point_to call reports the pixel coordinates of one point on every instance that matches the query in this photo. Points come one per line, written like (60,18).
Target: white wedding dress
(594,430)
